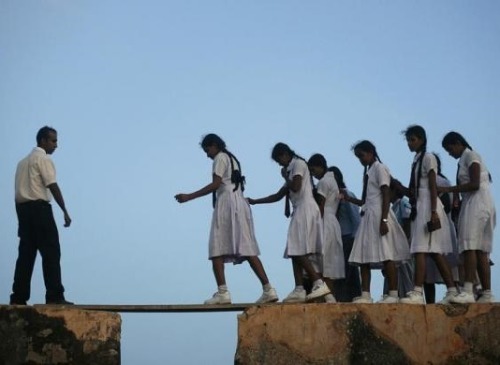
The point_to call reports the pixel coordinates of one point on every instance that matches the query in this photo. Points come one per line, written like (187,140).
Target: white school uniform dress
(438,241)
(305,232)
(232,232)
(402,211)
(333,252)
(432,274)
(477,218)
(369,246)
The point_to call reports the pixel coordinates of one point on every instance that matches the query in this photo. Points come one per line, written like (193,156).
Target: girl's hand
(343,195)
(384,228)
(182,198)
(434,217)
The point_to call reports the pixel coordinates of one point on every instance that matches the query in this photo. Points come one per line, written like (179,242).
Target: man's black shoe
(18,302)
(59,302)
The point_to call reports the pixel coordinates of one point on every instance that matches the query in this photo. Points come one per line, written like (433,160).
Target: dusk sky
(132,87)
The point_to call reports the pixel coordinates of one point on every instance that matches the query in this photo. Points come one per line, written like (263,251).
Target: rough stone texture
(57,335)
(322,334)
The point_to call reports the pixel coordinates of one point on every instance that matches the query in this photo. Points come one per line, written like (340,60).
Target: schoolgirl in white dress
(401,207)
(348,216)
(477,218)
(432,275)
(232,237)
(380,240)
(426,208)
(327,197)
(305,232)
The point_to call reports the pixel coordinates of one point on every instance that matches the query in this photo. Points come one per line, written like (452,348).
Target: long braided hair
(237,178)
(369,147)
(454,138)
(444,197)
(317,160)
(280,149)
(419,132)
(339,177)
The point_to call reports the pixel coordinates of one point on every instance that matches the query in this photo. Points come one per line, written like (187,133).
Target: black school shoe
(14,300)
(18,302)
(58,302)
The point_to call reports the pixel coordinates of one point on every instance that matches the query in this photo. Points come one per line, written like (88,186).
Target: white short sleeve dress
(305,232)
(333,252)
(422,240)
(477,218)
(432,274)
(232,232)
(369,246)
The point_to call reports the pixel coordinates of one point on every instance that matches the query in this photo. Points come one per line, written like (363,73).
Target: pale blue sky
(132,86)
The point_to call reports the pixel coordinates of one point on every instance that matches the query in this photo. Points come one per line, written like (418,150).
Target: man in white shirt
(35,184)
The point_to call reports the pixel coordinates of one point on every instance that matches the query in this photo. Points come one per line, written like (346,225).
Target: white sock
(267,287)
(329,297)
(299,288)
(318,282)
(393,293)
(486,292)
(222,289)
(451,289)
(366,294)
(468,287)
(418,289)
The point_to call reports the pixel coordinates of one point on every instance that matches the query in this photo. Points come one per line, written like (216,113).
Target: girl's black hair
(438,160)
(454,138)
(237,178)
(280,149)
(338,176)
(419,132)
(366,146)
(444,197)
(318,160)
(393,186)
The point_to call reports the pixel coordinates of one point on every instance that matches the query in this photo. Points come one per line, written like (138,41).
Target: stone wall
(296,334)
(58,335)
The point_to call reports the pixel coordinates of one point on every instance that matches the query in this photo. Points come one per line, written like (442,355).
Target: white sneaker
(387,299)
(413,297)
(268,296)
(220,298)
(463,298)
(329,298)
(362,300)
(296,296)
(317,291)
(486,298)
(448,296)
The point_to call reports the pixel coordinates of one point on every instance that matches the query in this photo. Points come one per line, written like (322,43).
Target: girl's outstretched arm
(350,199)
(472,185)
(213,186)
(271,198)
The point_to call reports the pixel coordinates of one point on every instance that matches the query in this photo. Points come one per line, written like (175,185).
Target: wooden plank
(159,308)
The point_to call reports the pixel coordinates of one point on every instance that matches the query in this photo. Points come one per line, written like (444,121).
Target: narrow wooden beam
(159,308)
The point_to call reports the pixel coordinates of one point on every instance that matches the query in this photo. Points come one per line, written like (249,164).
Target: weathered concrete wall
(56,335)
(296,334)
